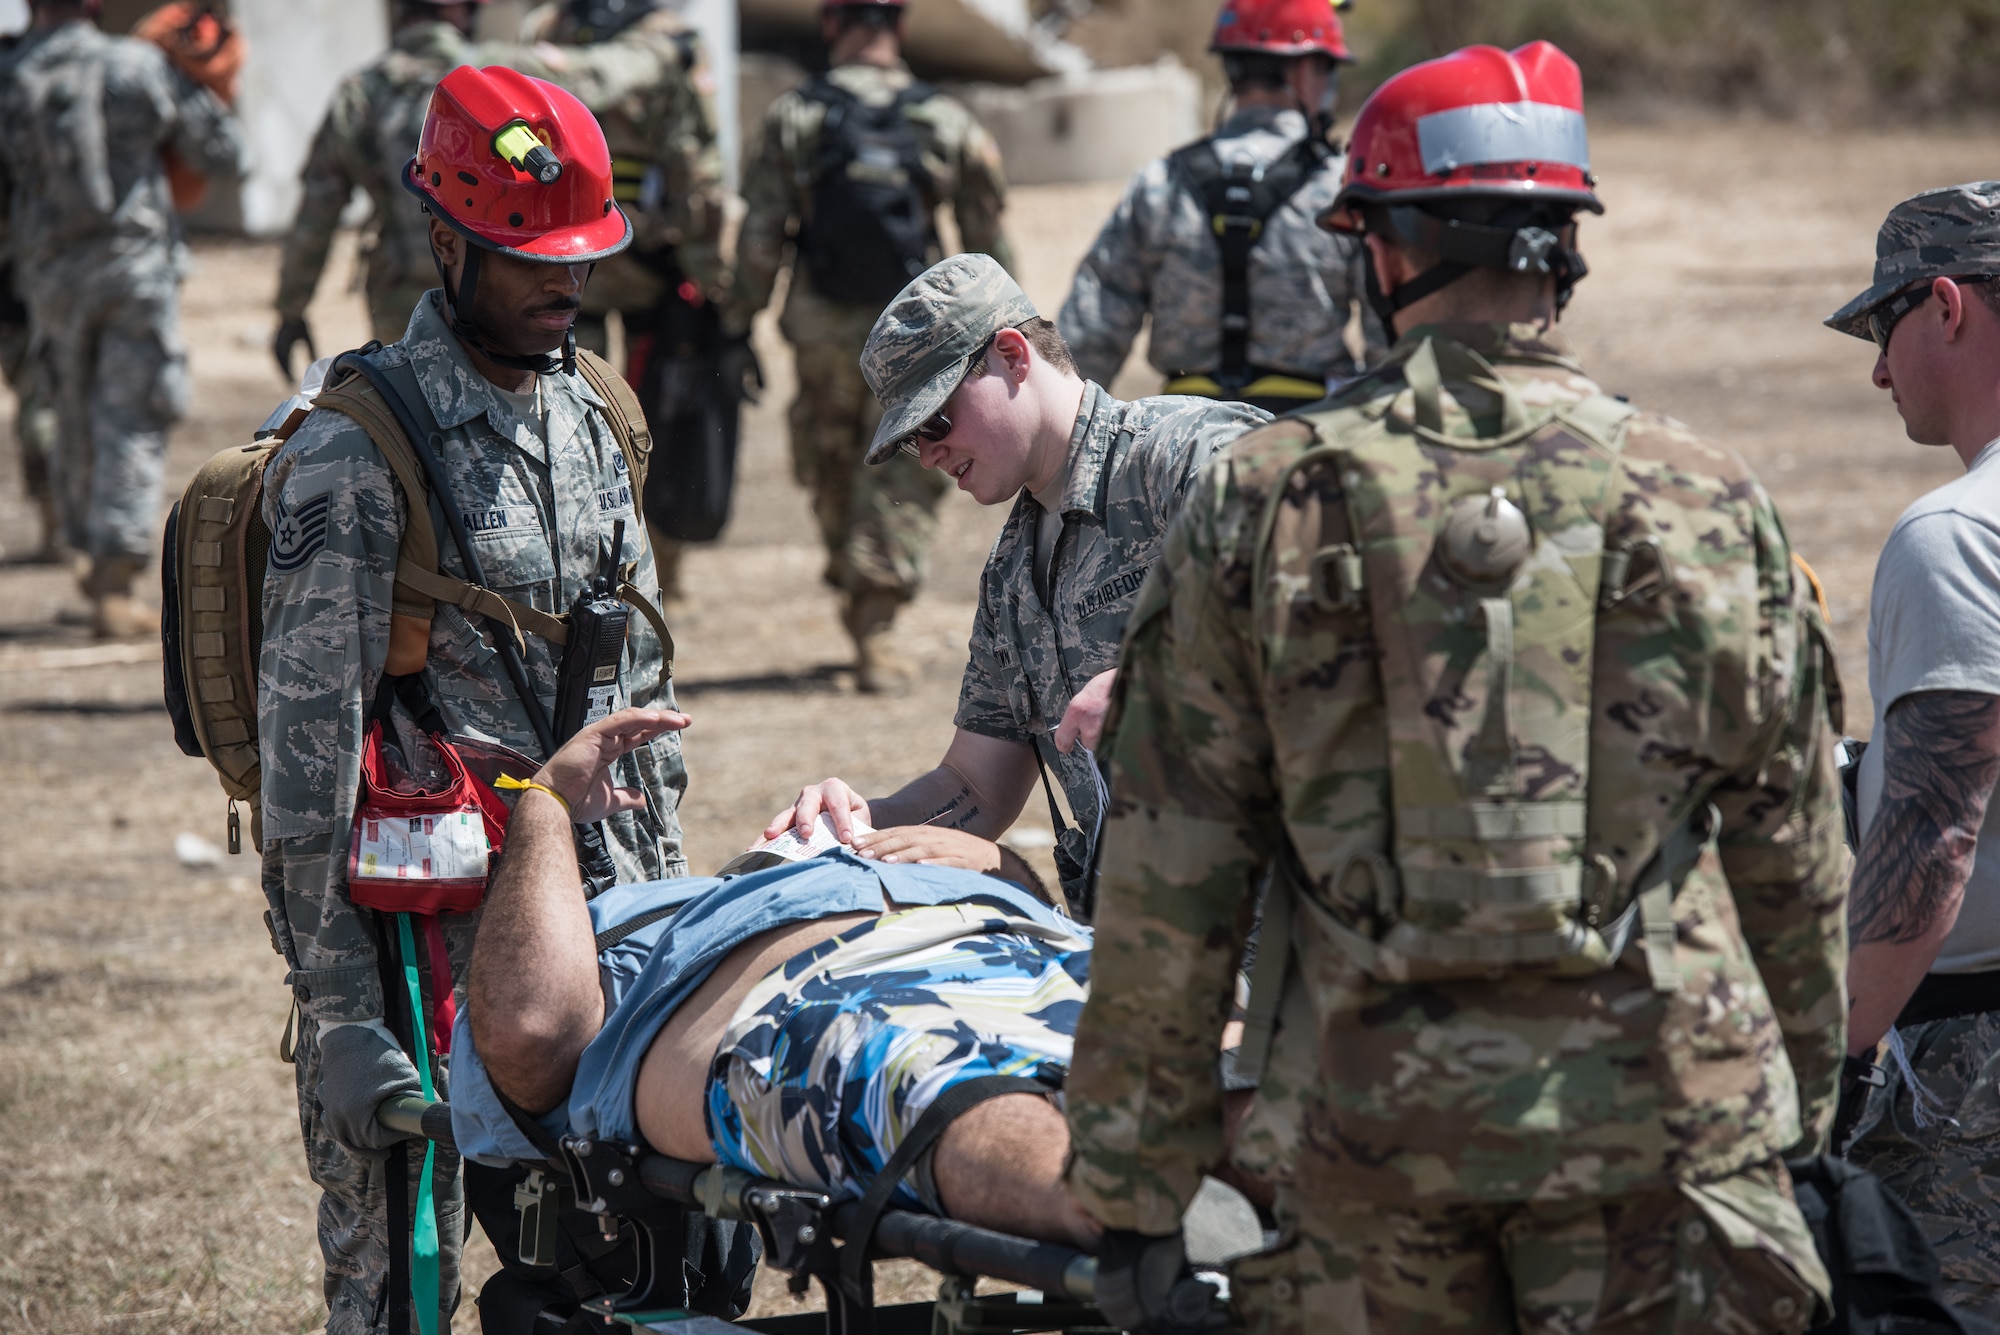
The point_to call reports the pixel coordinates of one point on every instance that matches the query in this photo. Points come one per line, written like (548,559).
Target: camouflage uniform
(876,522)
(26,370)
(98,247)
(1130,464)
(1598,1144)
(540,497)
(371,130)
(1157,255)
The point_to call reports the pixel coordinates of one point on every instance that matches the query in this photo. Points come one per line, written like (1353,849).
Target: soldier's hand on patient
(581,768)
(931,845)
(1083,721)
(359,1066)
(841,804)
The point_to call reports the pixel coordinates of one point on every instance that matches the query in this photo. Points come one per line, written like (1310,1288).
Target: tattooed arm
(979,787)
(1940,759)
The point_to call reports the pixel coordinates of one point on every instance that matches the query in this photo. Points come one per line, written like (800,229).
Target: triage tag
(451,846)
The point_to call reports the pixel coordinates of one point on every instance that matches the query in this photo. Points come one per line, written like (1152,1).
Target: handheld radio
(587,679)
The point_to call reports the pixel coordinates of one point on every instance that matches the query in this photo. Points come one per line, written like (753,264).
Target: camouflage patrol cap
(921,347)
(1946,233)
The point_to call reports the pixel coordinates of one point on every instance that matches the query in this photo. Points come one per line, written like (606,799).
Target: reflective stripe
(1494,820)
(1513,885)
(1502,132)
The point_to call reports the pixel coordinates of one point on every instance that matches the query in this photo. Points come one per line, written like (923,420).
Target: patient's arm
(999,1165)
(534,995)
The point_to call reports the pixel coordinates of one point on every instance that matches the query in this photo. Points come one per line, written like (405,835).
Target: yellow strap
(508,783)
(1284,387)
(1819,590)
(1200,386)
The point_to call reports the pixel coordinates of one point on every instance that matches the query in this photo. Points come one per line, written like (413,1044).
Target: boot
(115,613)
(878,668)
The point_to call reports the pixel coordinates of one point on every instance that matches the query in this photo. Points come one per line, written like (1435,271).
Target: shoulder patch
(299,534)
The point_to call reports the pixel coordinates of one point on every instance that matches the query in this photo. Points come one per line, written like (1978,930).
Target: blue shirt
(649,974)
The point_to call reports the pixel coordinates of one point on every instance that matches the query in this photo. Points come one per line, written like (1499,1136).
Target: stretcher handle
(942,1244)
(415,1115)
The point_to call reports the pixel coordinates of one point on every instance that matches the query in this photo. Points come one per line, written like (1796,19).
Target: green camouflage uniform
(540,498)
(98,248)
(1445,1150)
(1157,256)
(371,129)
(1129,466)
(654,94)
(877,522)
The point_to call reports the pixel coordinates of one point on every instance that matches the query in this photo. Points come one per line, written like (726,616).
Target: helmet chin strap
(540,363)
(1463,247)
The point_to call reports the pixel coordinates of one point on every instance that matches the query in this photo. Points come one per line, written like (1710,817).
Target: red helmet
(1280,28)
(519,166)
(1480,121)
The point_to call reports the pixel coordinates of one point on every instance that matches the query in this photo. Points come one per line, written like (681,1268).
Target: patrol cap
(1949,233)
(921,347)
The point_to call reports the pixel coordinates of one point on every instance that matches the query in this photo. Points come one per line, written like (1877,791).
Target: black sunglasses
(1882,321)
(938,425)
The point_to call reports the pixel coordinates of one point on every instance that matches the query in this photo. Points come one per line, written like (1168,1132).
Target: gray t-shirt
(1934,625)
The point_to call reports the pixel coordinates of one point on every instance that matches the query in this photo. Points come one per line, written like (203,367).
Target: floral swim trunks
(834,1055)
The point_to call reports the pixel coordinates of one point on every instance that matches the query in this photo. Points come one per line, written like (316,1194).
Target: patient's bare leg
(999,1165)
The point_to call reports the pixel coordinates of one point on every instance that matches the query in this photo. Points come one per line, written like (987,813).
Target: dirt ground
(150,1173)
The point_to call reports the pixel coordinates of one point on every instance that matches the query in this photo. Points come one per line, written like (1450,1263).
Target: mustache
(559,306)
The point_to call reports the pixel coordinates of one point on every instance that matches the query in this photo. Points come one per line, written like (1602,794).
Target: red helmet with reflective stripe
(1480,121)
(1280,28)
(519,166)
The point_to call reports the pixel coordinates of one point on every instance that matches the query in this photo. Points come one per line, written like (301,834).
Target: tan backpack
(217,549)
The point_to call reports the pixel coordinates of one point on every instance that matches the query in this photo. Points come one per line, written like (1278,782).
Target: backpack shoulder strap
(625,414)
(1601,417)
(420,584)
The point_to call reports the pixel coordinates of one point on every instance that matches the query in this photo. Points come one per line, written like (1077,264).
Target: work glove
(1859,1078)
(359,1066)
(1144,1285)
(290,334)
(742,373)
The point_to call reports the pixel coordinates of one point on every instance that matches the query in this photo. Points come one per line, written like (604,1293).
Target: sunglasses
(1882,321)
(938,425)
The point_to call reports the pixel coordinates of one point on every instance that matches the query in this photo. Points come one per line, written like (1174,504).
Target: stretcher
(805,1233)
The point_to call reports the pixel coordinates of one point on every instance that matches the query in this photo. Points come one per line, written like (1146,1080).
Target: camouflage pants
(34,406)
(876,522)
(389,309)
(1732,1257)
(354,1209)
(1947,1171)
(121,380)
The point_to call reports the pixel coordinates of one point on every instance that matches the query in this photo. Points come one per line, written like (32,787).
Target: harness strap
(1267,979)
(856,1280)
(1239,198)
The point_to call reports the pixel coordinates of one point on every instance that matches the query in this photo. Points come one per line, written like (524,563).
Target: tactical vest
(1480,563)
(1238,199)
(870,230)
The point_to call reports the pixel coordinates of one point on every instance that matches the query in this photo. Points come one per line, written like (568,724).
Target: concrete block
(1092,125)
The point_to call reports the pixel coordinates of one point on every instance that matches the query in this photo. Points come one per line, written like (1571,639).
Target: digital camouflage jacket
(1129,466)
(1157,255)
(540,495)
(1249,729)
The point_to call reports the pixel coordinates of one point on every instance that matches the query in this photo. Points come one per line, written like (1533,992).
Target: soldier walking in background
(1250,299)
(99,252)
(846,181)
(667,173)
(1517,691)
(26,368)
